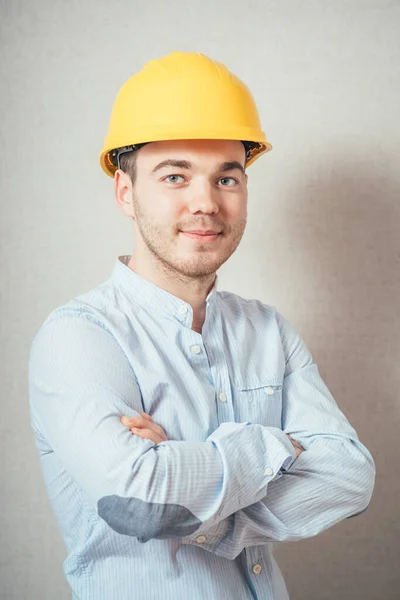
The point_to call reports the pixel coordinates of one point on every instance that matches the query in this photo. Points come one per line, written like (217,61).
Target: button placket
(254,560)
(212,336)
(195,349)
(222,397)
(183,313)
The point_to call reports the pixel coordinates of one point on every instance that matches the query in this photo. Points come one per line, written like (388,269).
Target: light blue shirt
(195,516)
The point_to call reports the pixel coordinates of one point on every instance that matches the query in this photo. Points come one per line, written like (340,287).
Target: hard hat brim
(110,168)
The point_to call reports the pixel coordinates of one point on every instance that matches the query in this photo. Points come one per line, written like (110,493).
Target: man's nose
(202,197)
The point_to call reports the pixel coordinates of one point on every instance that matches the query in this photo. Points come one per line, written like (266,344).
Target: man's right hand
(145,427)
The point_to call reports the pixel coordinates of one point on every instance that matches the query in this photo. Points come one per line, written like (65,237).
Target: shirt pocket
(260,403)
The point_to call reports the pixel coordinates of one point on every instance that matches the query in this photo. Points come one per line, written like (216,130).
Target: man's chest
(190,383)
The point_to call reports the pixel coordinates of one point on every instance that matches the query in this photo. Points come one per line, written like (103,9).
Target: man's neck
(194,291)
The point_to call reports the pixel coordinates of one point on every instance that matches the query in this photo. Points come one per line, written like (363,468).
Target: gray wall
(322,243)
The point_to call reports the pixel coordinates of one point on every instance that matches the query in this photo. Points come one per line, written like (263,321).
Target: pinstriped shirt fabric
(196,516)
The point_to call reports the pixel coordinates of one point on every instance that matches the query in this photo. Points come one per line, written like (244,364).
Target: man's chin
(202,269)
(192,268)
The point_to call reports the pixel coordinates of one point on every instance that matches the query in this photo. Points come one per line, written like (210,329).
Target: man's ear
(123,193)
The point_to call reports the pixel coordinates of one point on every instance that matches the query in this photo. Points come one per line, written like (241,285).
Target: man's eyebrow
(230,166)
(185,164)
(170,162)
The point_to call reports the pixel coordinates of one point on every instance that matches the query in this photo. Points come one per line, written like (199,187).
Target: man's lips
(203,236)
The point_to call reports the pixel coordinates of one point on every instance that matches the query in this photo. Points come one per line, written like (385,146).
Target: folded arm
(80,383)
(331,480)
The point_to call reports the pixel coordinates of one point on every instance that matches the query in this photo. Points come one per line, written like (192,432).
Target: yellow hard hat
(182,96)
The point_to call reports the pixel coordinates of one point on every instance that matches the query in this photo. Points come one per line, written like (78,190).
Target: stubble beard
(160,244)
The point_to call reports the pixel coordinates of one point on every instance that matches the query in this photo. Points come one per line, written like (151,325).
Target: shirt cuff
(269,449)
(282,437)
(209,538)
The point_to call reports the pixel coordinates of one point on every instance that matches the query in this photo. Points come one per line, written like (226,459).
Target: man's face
(186,186)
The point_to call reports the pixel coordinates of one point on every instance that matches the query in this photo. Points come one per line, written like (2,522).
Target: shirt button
(268,471)
(257,569)
(183,309)
(201,539)
(270,391)
(222,397)
(196,349)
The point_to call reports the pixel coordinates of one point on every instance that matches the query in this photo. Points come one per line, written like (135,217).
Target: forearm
(329,482)
(139,488)
(154,491)
(190,486)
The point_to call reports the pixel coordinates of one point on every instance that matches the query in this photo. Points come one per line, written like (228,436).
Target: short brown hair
(127,163)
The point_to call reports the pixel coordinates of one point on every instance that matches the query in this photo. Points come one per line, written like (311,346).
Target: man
(181,429)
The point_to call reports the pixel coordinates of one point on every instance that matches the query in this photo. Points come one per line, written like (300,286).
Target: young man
(182,429)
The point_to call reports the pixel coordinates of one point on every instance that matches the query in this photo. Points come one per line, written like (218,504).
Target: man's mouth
(199,235)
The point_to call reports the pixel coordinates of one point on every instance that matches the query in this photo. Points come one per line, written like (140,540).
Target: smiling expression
(189,203)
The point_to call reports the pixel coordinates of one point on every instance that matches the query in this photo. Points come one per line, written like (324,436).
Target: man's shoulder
(92,304)
(249,307)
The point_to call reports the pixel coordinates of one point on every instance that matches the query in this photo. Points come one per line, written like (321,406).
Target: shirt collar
(150,296)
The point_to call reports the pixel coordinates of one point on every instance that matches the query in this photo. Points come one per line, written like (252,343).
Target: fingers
(158,429)
(128,420)
(292,440)
(135,422)
(147,434)
(146,424)
(146,416)
(299,449)
(150,423)
(131,421)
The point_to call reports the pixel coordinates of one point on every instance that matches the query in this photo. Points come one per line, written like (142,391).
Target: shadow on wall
(342,226)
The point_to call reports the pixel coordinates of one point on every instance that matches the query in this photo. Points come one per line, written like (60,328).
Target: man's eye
(231,179)
(173,178)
